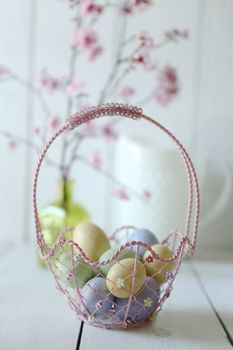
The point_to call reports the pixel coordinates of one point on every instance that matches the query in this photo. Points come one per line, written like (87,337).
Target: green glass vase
(61,213)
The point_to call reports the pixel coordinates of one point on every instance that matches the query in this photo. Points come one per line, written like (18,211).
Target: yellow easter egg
(156,268)
(91,239)
(120,277)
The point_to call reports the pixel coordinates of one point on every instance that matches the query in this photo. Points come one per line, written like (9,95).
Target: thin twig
(145,99)
(111,177)
(116,65)
(29,144)
(35,90)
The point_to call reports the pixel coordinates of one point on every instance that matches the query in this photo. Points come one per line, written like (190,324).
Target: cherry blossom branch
(79,139)
(145,99)
(121,78)
(37,93)
(85,41)
(72,65)
(74,55)
(116,64)
(35,90)
(22,140)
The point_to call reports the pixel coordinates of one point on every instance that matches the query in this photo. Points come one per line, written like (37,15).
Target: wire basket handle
(115,109)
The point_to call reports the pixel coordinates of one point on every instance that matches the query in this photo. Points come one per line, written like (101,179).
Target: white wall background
(35,33)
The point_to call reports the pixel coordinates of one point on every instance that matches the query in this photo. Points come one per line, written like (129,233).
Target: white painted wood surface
(186,322)
(216,275)
(33,314)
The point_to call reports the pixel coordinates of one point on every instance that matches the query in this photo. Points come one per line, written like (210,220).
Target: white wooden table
(33,315)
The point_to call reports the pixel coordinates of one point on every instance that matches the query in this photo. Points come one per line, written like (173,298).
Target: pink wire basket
(67,261)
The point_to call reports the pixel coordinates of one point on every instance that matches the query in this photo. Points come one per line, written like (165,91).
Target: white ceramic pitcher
(143,167)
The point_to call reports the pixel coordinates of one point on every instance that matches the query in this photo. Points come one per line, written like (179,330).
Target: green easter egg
(52,220)
(109,253)
(63,269)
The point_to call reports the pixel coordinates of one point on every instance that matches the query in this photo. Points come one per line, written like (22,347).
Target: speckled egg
(120,276)
(143,235)
(63,268)
(156,268)
(126,253)
(96,297)
(141,304)
(91,239)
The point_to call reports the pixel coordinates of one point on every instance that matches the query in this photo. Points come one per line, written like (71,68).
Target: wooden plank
(215,277)
(186,322)
(216,104)
(214,113)
(33,313)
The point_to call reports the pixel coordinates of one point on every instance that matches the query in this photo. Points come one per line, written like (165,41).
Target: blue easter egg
(96,297)
(141,304)
(143,235)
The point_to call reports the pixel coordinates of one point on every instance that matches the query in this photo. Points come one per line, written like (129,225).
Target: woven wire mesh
(74,271)
(98,306)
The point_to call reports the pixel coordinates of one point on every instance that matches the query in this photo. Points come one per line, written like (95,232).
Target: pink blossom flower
(168,86)
(182,33)
(121,194)
(147,194)
(174,34)
(53,123)
(142,58)
(36,130)
(65,173)
(12,145)
(168,77)
(126,9)
(125,92)
(89,7)
(108,132)
(89,128)
(164,97)
(4,71)
(145,40)
(49,83)
(84,38)
(141,2)
(95,160)
(74,87)
(94,52)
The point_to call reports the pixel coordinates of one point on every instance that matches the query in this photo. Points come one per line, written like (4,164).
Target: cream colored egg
(91,239)
(120,277)
(156,268)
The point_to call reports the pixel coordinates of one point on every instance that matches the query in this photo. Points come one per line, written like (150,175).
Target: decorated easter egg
(126,253)
(143,235)
(91,239)
(142,304)
(120,277)
(156,268)
(72,273)
(96,297)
